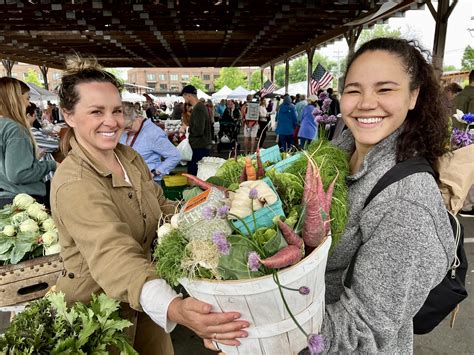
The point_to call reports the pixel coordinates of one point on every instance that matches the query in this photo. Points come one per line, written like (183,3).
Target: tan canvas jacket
(106,226)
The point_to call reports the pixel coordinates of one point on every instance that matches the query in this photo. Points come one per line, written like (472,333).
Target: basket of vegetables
(29,248)
(270,269)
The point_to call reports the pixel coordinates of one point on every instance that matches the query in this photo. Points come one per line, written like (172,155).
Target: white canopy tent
(222,93)
(202,95)
(132,97)
(39,95)
(293,89)
(239,93)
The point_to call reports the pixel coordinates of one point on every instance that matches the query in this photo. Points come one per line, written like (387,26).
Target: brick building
(20,71)
(172,80)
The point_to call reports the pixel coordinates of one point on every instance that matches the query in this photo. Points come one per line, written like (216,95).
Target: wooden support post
(351,36)
(261,78)
(310,55)
(287,74)
(44,72)
(441,17)
(272,72)
(8,65)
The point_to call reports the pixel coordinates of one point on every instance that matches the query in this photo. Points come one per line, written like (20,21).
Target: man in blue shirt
(150,141)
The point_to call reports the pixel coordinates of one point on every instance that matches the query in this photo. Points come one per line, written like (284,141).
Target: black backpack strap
(396,173)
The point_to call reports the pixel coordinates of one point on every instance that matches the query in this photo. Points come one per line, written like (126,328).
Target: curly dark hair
(425,130)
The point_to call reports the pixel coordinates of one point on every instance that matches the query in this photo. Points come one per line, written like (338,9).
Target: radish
(203,184)
(289,234)
(286,256)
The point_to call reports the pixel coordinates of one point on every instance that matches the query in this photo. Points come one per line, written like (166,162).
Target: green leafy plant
(49,326)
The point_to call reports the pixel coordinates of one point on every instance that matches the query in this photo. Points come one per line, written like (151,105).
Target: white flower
(458,116)
(29,226)
(19,217)
(53,249)
(23,201)
(37,212)
(49,238)
(9,230)
(48,224)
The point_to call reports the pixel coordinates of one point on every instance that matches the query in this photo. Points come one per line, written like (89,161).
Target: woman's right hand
(198,316)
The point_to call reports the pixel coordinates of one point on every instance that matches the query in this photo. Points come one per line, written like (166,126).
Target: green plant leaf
(276,243)
(234,266)
(6,243)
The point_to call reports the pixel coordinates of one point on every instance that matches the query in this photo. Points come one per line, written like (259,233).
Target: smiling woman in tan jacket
(107,207)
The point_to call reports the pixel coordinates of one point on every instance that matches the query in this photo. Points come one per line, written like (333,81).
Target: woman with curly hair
(403,238)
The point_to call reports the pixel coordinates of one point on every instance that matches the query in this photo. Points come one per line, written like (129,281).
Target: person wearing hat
(199,128)
(308,126)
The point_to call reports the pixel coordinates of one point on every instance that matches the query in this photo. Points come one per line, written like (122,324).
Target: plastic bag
(185,150)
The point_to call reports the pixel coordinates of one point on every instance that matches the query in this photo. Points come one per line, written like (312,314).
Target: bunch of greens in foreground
(48,326)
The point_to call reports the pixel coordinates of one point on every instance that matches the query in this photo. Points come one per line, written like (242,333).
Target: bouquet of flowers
(239,230)
(322,116)
(26,231)
(463,137)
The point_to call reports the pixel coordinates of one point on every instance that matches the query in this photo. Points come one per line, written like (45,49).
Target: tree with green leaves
(449,68)
(378,31)
(255,82)
(467,62)
(117,73)
(197,83)
(298,69)
(280,75)
(33,78)
(232,77)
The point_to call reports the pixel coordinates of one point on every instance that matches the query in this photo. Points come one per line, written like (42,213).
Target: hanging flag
(268,88)
(320,78)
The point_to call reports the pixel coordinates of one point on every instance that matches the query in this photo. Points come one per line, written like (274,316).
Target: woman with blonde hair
(106,238)
(20,170)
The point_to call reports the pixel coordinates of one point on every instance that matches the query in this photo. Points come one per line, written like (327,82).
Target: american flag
(268,88)
(320,79)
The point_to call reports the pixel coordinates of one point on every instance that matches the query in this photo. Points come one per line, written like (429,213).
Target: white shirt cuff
(155,298)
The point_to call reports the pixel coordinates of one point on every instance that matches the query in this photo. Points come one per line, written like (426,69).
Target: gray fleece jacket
(406,247)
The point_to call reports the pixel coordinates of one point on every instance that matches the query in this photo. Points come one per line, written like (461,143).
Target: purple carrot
(329,192)
(289,234)
(286,256)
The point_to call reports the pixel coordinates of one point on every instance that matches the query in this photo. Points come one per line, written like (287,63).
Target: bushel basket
(271,331)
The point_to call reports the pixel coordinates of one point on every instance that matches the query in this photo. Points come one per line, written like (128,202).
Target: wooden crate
(29,279)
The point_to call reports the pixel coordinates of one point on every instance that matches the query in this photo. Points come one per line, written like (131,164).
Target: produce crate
(263,216)
(175,180)
(29,279)
(271,154)
(281,166)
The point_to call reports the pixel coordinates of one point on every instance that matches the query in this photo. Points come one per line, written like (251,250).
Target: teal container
(263,216)
(281,166)
(271,154)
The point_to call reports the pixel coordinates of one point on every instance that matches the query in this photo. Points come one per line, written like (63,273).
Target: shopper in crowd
(150,141)
(299,106)
(45,142)
(47,116)
(20,169)
(250,127)
(286,124)
(464,101)
(106,207)
(263,121)
(220,108)
(403,238)
(309,127)
(199,128)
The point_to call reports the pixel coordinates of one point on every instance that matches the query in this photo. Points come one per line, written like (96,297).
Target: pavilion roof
(178,33)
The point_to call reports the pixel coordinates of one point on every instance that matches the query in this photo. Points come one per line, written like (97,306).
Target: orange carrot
(251,173)
(286,256)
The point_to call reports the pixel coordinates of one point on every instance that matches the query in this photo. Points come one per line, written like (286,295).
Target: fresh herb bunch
(332,162)
(48,326)
(169,254)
